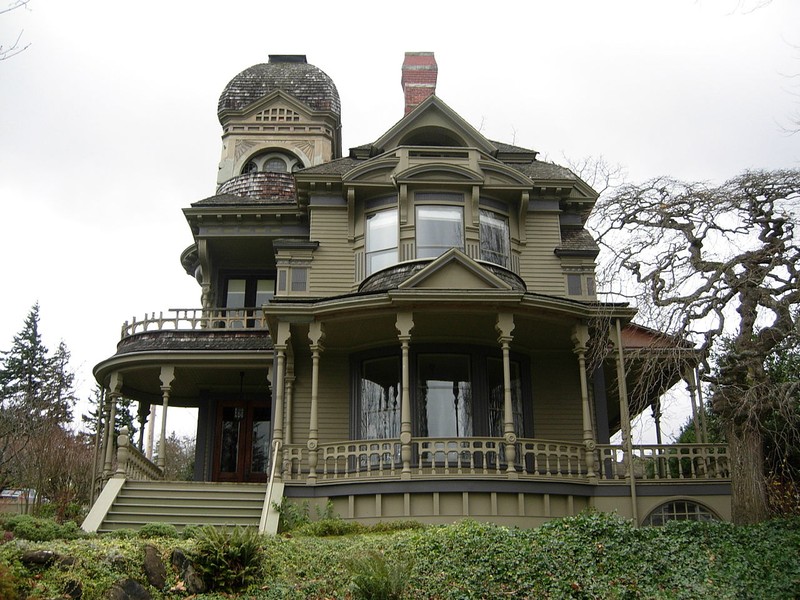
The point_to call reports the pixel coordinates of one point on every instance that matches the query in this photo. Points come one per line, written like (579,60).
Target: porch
(446,479)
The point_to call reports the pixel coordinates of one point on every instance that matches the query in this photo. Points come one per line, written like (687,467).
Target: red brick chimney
(419,78)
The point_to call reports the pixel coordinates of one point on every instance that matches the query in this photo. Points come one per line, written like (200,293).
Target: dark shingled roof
(577,241)
(339,166)
(254,188)
(544,170)
(209,340)
(292,74)
(391,277)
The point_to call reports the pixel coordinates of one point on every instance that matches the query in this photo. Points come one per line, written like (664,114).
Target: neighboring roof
(290,73)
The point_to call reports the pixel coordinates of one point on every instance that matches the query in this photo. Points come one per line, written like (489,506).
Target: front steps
(183,503)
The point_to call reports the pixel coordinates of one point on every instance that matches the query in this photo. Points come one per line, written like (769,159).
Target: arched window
(275,165)
(679,510)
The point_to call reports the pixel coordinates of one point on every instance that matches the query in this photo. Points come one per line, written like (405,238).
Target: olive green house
(404,331)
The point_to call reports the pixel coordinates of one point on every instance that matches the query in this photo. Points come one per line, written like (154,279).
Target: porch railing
(182,319)
(132,464)
(666,462)
(486,457)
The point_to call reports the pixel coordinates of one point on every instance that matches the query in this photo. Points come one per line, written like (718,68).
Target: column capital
(167,376)
(316,334)
(404,324)
(281,339)
(504,327)
(580,337)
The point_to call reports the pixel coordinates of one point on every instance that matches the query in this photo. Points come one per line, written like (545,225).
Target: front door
(242,441)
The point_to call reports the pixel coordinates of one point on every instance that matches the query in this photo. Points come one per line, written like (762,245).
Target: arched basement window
(679,510)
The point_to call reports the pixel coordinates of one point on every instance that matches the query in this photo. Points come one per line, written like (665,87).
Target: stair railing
(268,510)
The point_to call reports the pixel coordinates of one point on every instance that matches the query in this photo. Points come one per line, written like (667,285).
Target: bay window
(381,240)
(439,228)
(495,239)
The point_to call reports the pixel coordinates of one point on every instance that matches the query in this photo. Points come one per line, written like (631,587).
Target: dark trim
(327,200)
(664,489)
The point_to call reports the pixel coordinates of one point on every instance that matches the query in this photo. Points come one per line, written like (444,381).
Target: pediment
(276,107)
(433,123)
(454,270)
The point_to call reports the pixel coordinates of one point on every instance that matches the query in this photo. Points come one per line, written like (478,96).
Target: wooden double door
(242,441)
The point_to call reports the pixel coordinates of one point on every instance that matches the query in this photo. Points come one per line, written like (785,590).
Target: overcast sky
(108,120)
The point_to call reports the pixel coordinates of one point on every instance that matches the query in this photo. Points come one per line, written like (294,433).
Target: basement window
(679,510)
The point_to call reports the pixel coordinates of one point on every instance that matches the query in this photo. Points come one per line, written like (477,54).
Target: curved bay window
(381,240)
(439,228)
(454,394)
(495,239)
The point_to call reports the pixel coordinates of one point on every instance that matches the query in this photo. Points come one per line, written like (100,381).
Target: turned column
(404,325)
(281,342)
(504,327)
(114,394)
(580,339)
(316,333)
(167,376)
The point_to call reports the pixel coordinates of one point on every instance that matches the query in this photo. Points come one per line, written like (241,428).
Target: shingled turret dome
(288,72)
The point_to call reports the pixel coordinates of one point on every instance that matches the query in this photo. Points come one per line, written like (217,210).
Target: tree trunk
(748,487)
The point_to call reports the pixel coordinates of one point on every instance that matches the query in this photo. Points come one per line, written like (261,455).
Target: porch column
(167,376)
(316,333)
(580,337)
(404,325)
(625,422)
(114,394)
(289,400)
(504,327)
(151,432)
(281,342)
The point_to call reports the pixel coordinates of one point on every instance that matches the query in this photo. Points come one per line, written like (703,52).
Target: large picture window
(439,228)
(379,396)
(495,239)
(381,240)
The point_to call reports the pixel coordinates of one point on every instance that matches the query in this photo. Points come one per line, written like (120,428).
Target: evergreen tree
(36,393)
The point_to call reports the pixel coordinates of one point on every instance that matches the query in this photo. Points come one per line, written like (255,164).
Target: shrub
(41,530)
(122,534)
(190,532)
(330,527)
(154,530)
(229,559)
(375,578)
(8,584)
(392,526)
(292,514)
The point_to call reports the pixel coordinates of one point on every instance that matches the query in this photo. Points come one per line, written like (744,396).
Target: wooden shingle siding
(538,266)
(332,268)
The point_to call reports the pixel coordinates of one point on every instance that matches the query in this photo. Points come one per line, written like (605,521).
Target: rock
(128,589)
(154,567)
(66,562)
(194,582)
(190,579)
(74,589)
(39,558)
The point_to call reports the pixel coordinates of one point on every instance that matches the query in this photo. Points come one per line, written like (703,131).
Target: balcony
(193,319)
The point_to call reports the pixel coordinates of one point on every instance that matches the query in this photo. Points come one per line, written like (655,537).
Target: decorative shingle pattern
(392,277)
(305,82)
(577,240)
(210,340)
(254,188)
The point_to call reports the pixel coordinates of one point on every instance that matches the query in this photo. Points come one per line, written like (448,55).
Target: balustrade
(186,319)
(667,462)
(132,464)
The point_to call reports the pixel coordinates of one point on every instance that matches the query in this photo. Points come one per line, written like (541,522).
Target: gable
(433,123)
(454,270)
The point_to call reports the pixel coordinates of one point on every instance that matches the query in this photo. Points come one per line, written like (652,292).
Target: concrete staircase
(185,503)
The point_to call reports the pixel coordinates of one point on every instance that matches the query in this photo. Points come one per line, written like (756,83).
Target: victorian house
(409,330)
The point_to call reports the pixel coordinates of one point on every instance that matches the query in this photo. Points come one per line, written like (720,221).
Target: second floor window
(495,240)
(381,240)
(439,228)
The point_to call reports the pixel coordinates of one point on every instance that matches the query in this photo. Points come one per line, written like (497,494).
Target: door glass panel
(380,402)
(229,451)
(444,395)
(260,441)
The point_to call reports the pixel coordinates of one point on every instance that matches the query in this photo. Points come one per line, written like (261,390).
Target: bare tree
(7,51)
(714,263)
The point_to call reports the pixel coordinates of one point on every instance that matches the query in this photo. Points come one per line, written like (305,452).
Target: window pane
(444,395)
(495,241)
(259,446)
(265,291)
(275,165)
(380,399)
(236,293)
(574,285)
(381,240)
(299,275)
(439,228)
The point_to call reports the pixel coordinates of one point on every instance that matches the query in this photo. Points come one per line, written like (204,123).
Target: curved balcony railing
(485,457)
(177,319)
